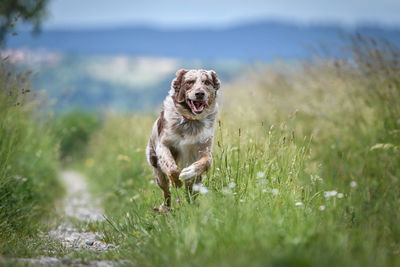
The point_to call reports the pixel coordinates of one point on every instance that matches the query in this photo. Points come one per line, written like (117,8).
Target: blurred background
(306,149)
(122,55)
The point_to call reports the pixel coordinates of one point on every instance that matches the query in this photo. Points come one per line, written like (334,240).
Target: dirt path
(79,206)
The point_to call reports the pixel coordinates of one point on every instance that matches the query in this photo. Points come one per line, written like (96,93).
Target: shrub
(73,130)
(28,162)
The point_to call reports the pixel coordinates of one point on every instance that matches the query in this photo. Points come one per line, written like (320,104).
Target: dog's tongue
(198,106)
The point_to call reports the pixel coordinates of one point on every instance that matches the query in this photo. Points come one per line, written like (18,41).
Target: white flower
(263,181)
(217,169)
(260,174)
(231,185)
(340,195)
(196,187)
(322,207)
(201,188)
(353,184)
(328,194)
(315,178)
(241,200)
(275,191)
(264,190)
(299,203)
(151,181)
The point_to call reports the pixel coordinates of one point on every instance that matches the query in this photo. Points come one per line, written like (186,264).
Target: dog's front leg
(168,165)
(197,168)
(202,164)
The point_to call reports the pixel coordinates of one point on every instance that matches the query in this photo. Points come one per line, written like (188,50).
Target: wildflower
(217,169)
(133,198)
(315,178)
(322,207)
(123,158)
(155,208)
(299,203)
(264,190)
(275,191)
(232,185)
(340,195)
(353,184)
(201,188)
(328,194)
(260,175)
(263,181)
(89,162)
(127,214)
(241,200)
(151,181)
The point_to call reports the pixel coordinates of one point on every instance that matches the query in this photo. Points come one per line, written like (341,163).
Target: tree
(30,11)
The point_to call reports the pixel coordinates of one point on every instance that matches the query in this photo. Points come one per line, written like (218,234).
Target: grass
(73,129)
(28,165)
(306,172)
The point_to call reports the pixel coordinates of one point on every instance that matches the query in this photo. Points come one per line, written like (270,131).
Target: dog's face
(196,90)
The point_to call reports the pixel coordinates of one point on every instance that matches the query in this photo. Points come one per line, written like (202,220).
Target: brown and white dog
(181,140)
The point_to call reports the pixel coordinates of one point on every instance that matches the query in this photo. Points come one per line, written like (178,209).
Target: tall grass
(28,163)
(73,129)
(306,172)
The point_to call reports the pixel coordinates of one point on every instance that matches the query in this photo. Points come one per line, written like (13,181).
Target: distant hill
(130,69)
(248,42)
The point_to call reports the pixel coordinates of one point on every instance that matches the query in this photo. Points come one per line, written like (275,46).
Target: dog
(181,140)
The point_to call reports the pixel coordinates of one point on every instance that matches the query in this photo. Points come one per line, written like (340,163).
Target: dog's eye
(189,82)
(207,82)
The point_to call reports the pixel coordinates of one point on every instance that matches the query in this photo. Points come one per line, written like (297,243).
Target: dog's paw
(173,176)
(187,173)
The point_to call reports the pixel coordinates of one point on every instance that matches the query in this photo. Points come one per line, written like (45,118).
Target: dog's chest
(188,147)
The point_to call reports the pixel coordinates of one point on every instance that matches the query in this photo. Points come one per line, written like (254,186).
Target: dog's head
(196,90)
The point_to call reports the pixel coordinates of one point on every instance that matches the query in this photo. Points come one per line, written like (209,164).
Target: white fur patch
(187,173)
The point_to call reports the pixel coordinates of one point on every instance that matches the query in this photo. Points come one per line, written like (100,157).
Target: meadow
(305,173)
(306,169)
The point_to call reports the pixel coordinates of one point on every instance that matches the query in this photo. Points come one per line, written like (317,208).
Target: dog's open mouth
(197,106)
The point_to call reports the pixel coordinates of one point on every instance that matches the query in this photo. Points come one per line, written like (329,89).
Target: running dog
(180,145)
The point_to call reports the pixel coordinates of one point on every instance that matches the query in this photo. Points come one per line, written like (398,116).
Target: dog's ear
(216,81)
(177,85)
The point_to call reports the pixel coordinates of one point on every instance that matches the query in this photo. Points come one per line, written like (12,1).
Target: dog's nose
(199,95)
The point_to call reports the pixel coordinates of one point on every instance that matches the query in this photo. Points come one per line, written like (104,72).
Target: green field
(306,172)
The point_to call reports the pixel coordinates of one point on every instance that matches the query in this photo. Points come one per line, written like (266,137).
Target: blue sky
(217,13)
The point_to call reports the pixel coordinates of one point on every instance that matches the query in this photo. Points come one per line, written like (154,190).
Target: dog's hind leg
(163,183)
